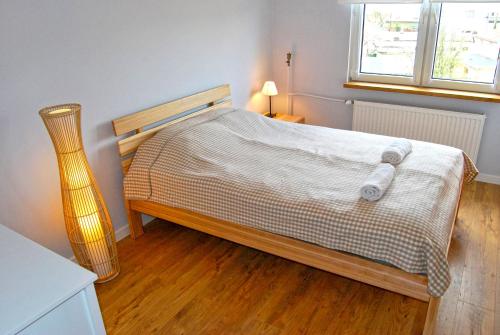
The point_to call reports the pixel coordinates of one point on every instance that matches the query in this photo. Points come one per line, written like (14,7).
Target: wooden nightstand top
(290,118)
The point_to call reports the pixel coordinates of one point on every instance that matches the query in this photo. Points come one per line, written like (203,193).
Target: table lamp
(270,90)
(88,224)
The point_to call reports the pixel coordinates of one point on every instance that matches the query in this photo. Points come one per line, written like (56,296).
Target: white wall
(318,33)
(114,57)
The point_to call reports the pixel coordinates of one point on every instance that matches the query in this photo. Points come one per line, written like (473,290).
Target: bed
(231,173)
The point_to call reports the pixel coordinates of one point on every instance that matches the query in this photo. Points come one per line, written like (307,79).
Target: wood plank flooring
(178,281)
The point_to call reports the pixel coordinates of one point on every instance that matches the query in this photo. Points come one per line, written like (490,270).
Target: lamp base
(107,279)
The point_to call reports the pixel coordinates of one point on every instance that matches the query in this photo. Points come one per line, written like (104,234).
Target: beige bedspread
(304,182)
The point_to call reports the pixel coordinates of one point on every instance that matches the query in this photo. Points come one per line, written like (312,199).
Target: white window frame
(428,29)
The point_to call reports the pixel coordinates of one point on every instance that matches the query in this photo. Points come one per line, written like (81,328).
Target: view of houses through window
(466,41)
(390,39)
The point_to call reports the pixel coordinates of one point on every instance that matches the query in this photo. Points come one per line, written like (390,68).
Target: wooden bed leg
(432,312)
(134,222)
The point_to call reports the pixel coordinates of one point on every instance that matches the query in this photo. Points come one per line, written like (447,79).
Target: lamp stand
(271,115)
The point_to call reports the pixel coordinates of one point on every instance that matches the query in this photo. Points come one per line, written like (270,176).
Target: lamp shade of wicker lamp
(88,224)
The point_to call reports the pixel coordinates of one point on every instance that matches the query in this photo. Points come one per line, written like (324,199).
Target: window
(445,45)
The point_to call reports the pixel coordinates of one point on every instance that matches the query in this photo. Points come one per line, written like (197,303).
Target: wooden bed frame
(346,265)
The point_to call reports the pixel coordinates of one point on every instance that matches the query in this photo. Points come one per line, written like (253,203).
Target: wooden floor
(178,281)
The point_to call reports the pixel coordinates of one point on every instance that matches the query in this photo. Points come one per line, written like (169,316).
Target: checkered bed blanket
(304,182)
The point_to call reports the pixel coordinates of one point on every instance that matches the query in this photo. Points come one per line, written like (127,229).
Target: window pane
(390,39)
(468,42)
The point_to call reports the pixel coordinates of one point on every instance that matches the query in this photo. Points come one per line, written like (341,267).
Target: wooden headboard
(143,125)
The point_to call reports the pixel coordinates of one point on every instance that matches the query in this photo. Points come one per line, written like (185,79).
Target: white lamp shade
(270,89)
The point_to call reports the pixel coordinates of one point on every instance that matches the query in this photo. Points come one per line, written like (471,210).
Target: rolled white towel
(396,152)
(378,182)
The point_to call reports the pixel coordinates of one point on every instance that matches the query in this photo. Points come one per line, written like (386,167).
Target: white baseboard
(488,178)
(122,232)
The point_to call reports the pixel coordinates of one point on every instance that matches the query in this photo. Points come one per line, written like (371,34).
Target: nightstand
(44,293)
(290,118)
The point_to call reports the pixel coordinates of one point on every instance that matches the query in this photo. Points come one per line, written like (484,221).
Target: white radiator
(459,130)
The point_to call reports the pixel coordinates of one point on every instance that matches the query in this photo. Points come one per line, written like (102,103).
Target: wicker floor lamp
(87,220)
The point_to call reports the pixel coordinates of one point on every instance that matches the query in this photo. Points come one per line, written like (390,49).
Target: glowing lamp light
(88,224)
(270,90)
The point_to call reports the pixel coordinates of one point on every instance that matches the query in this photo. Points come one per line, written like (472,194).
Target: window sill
(435,92)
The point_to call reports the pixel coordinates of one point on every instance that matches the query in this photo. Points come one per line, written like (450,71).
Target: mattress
(304,182)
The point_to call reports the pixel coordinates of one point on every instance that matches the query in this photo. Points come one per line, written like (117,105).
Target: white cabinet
(44,293)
